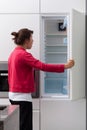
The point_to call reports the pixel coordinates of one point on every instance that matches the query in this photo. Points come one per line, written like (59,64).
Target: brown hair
(21,36)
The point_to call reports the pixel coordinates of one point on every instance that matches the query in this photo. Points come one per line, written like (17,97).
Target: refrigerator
(63,38)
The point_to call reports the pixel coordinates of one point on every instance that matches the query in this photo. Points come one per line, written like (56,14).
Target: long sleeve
(33,62)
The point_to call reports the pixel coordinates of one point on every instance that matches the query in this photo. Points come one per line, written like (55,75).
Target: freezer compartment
(55,25)
(56,86)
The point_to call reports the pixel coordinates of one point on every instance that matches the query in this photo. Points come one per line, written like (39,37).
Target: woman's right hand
(69,64)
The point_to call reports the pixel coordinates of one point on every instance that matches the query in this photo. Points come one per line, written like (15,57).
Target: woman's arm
(33,62)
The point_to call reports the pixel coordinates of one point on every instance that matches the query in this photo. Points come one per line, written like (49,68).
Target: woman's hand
(69,64)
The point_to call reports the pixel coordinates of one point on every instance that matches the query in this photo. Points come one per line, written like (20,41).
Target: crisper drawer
(56,85)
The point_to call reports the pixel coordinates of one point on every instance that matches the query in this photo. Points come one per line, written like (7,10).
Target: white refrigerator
(63,38)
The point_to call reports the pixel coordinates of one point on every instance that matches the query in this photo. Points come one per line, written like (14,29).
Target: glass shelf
(55,49)
(54,45)
(56,34)
(56,53)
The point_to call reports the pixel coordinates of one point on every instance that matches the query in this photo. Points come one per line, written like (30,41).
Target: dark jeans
(25,114)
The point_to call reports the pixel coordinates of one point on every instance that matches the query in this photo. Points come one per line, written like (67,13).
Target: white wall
(19,6)
(55,6)
(63,115)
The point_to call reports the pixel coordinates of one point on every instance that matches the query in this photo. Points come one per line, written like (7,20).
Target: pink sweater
(20,70)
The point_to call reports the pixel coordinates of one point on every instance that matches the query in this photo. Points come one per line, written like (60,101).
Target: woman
(21,66)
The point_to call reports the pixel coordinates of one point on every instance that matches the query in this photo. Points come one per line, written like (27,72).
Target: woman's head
(23,37)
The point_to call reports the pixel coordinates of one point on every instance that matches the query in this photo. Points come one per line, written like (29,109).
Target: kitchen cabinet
(14,22)
(36,119)
(63,39)
(56,6)
(63,114)
(36,114)
(8,116)
(18,6)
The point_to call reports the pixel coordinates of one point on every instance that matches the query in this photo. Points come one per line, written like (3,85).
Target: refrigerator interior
(56,51)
